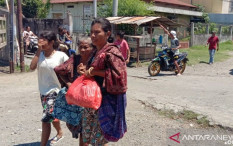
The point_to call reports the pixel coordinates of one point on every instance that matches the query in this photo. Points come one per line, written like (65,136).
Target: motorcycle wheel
(182,66)
(154,68)
(34,49)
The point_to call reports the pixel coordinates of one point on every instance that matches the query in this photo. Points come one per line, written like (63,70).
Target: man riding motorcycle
(174,47)
(26,37)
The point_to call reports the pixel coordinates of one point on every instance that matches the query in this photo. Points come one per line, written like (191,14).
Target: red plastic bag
(84,92)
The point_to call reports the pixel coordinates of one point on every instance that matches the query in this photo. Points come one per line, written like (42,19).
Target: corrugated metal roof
(175,11)
(142,20)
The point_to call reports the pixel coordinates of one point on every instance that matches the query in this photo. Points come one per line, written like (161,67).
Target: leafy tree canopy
(125,8)
(35,8)
(205,15)
(2,3)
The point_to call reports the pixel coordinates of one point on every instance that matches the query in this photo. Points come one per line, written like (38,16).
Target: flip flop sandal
(56,139)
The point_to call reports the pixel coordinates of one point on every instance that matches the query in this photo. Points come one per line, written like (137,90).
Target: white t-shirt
(30,33)
(47,78)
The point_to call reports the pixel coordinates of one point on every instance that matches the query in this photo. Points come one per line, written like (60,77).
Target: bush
(200,28)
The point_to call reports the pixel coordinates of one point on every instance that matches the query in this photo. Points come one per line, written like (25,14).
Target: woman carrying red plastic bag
(67,73)
(108,67)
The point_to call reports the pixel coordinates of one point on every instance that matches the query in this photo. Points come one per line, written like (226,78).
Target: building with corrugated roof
(81,11)
(177,11)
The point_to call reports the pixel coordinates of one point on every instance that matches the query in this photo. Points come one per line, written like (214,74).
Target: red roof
(68,1)
(175,2)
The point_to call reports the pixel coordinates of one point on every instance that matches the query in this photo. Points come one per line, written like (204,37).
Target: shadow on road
(29,144)
(204,62)
(231,72)
(162,75)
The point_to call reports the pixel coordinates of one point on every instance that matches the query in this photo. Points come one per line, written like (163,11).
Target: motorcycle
(164,62)
(33,45)
(66,48)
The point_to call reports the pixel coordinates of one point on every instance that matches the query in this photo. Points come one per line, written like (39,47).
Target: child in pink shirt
(123,45)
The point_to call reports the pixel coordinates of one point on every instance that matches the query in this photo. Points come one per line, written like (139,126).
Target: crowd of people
(96,58)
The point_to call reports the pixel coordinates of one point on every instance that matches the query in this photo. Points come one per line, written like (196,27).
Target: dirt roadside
(21,112)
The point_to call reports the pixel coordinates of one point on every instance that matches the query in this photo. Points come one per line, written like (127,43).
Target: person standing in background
(123,45)
(26,37)
(213,43)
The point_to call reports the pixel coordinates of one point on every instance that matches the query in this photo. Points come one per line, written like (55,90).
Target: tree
(205,15)
(125,8)
(35,8)
(44,10)
(2,3)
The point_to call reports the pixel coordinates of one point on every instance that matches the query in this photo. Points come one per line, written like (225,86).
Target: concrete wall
(202,39)
(225,7)
(213,6)
(210,5)
(224,38)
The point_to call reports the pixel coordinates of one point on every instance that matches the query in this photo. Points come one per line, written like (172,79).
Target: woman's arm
(92,72)
(95,72)
(65,79)
(35,60)
(58,39)
(68,37)
(166,31)
(128,53)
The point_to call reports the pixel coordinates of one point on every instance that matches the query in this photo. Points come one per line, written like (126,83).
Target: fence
(4,40)
(201,32)
(38,25)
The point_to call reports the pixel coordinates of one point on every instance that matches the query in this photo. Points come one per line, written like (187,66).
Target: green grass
(27,68)
(186,115)
(200,54)
(186,39)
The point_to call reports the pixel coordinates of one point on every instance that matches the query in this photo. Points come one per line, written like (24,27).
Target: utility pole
(95,8)
(115,8)
(20,32)
(11,35)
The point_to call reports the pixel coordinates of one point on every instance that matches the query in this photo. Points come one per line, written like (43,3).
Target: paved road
(205,89)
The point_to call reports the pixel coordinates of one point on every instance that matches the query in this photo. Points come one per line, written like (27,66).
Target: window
(70,6)
(231,7)
(57,16)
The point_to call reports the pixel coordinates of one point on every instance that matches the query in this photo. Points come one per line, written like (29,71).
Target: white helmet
(173,33)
